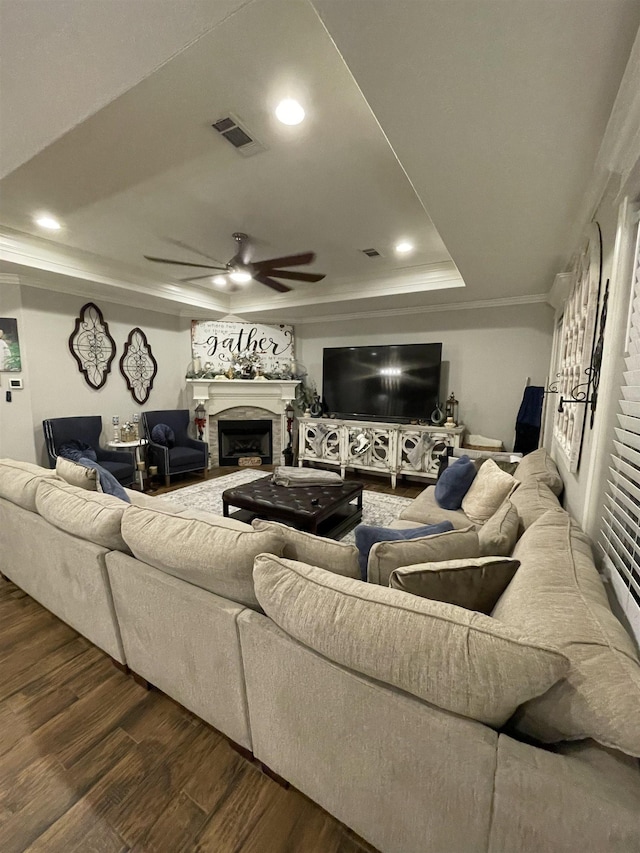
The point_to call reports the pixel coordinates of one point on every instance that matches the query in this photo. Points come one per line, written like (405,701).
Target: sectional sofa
(424,727)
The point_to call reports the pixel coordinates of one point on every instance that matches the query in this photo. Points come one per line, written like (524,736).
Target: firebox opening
(237,439)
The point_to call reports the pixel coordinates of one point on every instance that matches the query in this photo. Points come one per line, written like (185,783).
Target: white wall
(16,418)
(487,353)
(54,387)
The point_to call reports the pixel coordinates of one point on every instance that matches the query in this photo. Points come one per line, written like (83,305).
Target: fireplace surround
(240,400)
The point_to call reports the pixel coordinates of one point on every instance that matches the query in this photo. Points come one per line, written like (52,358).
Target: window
(620,538)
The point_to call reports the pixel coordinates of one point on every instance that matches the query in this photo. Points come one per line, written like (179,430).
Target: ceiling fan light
(46,221)
(240,276)
(289,111)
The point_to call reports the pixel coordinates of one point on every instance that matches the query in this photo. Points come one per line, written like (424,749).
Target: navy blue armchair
(185,453)
(59,431)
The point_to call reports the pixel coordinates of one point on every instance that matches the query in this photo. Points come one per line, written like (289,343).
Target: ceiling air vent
(237,135)
(371,253)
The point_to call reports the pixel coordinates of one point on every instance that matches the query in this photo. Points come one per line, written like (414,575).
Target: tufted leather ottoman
(324,510)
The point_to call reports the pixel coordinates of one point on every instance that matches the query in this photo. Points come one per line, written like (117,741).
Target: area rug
(378,509)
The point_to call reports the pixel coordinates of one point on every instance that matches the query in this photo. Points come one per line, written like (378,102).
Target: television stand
(379,447)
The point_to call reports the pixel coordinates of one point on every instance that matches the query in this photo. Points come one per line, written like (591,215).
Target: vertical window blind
(620,539)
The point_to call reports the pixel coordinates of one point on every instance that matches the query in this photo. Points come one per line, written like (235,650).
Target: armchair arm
(114,456)
(196,444)
(158,455)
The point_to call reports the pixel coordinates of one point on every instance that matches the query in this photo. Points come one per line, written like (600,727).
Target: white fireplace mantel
(219,394)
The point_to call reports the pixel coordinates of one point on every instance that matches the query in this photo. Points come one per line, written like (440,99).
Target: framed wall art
(92,346)
(138,366)
(9,345)
(221,343)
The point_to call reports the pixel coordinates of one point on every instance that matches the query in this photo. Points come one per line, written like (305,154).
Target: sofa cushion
(19,482)
(425,510)
(384,557)
(338,557)
(203,550)
(367,536)
(557,595)
(475,584)
(77,475)
(88,515)
(499,534)
(454,483)
(489,489)
(532,499)
(540,466)
(459,660)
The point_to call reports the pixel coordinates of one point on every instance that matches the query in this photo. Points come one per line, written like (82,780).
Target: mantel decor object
(138,366)
(92,346)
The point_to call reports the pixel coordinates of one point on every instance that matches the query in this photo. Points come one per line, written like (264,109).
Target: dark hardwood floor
(91,762)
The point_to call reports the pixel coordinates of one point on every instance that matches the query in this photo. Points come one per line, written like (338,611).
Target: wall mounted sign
(92,346)
(221,343)
(9,345)
(138,366)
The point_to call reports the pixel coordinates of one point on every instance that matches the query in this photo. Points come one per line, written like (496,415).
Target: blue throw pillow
(454,483)
(74,449)
(164,435)
(108,483)
(367,537)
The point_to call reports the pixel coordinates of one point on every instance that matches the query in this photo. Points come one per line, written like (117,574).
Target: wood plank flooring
(91,762)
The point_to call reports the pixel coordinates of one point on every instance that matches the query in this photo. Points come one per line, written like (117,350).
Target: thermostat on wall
(15,384)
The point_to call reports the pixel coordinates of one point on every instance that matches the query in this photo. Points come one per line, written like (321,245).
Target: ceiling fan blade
(189,248)
(195,277)
(287,261)
(296,276)
(274,285)
(183,263)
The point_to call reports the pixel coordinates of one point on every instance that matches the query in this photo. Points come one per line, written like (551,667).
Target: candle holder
(115,420)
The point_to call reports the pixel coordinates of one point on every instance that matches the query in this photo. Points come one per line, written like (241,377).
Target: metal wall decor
(138,366)
(580,356)
(92,346)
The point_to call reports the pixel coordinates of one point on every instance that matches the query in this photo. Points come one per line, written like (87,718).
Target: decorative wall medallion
(576,347)
(138,366)
(92,346)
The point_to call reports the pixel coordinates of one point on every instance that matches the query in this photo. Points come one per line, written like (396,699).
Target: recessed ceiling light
(49,222)
(220,280)
(289,112)
(403,247)
(240,276)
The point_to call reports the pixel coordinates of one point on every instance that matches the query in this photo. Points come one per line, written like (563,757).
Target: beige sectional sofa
(424,727)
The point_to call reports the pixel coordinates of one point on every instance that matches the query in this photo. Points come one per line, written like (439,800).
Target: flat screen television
(395,382)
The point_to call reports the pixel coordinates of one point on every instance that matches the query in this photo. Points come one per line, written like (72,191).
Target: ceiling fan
(240,269)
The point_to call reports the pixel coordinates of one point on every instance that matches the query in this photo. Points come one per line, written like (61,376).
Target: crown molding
(471,305)
(619,155)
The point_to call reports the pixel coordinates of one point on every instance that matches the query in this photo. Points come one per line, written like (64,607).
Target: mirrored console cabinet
(383,448)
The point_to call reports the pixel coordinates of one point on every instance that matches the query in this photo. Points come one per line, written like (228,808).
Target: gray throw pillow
(473,584)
